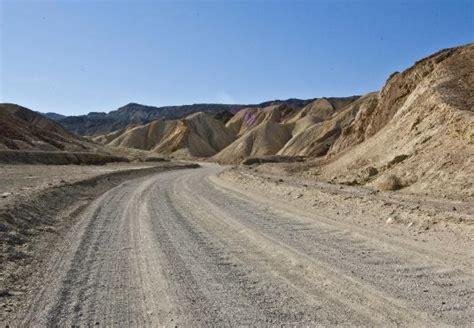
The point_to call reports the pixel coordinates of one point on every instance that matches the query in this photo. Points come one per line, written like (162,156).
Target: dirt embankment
(39,205)
(412,214)
(57,158)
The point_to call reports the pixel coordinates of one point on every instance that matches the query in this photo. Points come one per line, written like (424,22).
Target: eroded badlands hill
(29,137)
(417,132)
(198,135)
(421,131)
(24,129)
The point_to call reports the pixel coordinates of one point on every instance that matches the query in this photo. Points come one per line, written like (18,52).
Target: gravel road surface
(180,248)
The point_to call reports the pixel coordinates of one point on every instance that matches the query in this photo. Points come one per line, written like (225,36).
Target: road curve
(178,248)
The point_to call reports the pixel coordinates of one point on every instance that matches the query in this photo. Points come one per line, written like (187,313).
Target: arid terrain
(205,247)
(347,211)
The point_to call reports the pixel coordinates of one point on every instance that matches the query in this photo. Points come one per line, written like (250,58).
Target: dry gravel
(191,248)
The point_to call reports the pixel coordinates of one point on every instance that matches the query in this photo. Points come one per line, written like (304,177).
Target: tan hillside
(292,132)
(314,135)
(27,137)
(24,129)
(416,133)
(265,139)
(421,131)
(323,108)
(249,118)
(318,110)
(198,135)
(106,138)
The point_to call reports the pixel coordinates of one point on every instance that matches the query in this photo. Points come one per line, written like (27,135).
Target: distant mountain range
(415,133)
(133,114)
(54,116)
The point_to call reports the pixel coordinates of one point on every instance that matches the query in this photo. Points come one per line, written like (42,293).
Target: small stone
(5,194)
(390,220)
(454,208)
(299,196)
(280,180)
(371,171)
(410,224)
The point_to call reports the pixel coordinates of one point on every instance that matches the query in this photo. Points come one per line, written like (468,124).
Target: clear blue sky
(73,57)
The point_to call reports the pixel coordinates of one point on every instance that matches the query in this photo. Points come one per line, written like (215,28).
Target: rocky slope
(265,139)
(416,133)
(421,133)
(135,114)
(54,116)
(24,129)
(283,130)
(253,131)
(198,135)
(317,131)
(30,138)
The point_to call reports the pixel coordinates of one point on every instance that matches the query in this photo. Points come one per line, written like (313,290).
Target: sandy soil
(39,205)
(24,180)
(205,248)
(447,218)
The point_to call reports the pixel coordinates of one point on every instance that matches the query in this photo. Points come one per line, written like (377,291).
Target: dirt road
(180,248)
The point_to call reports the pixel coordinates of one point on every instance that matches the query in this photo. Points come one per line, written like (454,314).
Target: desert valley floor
(213,246)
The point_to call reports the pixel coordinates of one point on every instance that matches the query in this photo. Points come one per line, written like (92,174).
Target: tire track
(177,248)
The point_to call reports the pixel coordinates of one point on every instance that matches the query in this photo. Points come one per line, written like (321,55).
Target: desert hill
(323,108)
(318,130)
(29,137)
(264,140)
(136,114)
(250,118)
(319,109)
(198,135)
(21,128)
(132,114)
(284,130)
(201,135)
(416,133)
(54,116)
(421,133)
